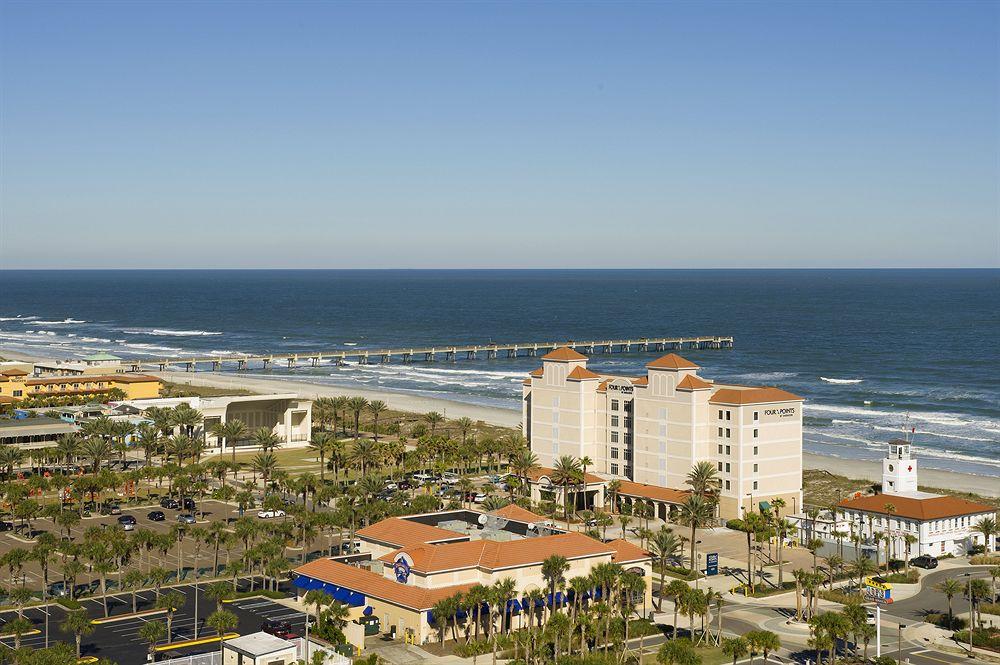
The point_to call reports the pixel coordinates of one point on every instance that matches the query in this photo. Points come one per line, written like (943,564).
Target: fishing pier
(490,351)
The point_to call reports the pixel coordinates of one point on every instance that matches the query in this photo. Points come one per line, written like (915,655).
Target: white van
(422,478)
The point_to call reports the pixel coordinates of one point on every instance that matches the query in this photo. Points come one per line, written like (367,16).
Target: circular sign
(401,567)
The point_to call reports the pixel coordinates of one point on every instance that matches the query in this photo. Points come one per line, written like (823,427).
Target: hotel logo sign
(401,568)
(786,412)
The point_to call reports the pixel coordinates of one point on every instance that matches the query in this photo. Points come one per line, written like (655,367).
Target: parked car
(167,502)
(185,518)
(127,522)
(281,629)
(391,486)
(592,522)
(6,526)
(189,503)
(58,590)
(267,514)
(479,498)
(450,478)
(404,485)
(924,561)
(422,478)
(155,516)
(111,509)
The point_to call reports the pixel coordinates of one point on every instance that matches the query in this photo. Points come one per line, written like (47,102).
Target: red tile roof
(512,511)
(626,552)
(564,353)
(763,395)
(536,372)
(918,509)
(397,532)
(580,373)
(672,361)
(692,382)
(654,492)
(372,584)
(14,372)
(495,555)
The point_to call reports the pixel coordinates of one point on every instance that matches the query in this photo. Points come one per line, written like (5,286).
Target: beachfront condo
(649,431)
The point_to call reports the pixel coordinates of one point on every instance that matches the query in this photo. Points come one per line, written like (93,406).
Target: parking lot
(119,640)
(207,512)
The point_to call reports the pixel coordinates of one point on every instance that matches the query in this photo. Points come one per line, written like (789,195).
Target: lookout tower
(899,469)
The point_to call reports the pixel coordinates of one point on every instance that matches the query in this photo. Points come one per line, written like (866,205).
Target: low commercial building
(401,586)
(30,433)
(651,430)
(285,414)
(259,649)
(934,524)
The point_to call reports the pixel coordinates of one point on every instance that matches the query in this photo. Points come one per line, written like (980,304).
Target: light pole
(697,570)
(972,610)
(899,643)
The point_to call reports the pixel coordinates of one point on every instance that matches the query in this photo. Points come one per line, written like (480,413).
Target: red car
(281,629)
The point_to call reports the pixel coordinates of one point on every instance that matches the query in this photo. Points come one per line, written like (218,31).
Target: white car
(265,514)
(389,485)
(479,498)
(450,478)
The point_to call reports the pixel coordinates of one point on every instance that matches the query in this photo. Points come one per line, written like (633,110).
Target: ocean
(875,352)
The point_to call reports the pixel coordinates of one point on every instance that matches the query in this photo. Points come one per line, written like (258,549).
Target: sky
(499,135)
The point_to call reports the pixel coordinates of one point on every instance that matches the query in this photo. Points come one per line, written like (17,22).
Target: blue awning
(303,582)
(368,611)
(513,605)
(342,595)
(355,599)
(330,589)
(315,584)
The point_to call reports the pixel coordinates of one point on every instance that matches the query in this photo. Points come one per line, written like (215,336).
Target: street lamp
(697,564)
(899,643)
(972,610)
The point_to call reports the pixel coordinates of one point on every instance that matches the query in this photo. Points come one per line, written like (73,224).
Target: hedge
(983,638)
(984,560)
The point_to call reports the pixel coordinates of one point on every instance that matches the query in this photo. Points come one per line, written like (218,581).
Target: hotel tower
(652,429)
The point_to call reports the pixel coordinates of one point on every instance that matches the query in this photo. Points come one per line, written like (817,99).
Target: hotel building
(648,431)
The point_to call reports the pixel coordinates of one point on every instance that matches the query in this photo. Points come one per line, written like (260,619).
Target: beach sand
(862,469)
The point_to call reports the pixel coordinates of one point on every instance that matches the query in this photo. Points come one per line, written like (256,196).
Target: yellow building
(17,385)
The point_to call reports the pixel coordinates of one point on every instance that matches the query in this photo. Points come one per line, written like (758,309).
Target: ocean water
(874,352)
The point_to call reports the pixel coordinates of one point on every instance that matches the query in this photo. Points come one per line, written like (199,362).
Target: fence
(212,658)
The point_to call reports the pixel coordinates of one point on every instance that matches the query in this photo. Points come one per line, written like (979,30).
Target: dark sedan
(156,516)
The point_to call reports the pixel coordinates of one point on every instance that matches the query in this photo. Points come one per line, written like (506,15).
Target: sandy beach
(864,469)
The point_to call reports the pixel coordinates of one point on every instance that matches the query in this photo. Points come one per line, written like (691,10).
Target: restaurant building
(444,554)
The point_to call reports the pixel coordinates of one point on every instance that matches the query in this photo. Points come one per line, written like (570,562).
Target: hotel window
(720,414)
(555,416)
(756,433)
(628,454)
(555,432)
(555,402)
(756,415)
(720,431)
(614,453)
(720,466)
(614,469)
(729,450)
(76,386)
(755,450)
(729,415)
(663,414)
(614,421)
(663,430)
(17,393)
(614,437)
(727,467)
(614,405)
(720,448)
(755,484)
(727,485)
(728,433)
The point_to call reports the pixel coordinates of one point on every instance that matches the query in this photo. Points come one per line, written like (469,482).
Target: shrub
(990,608)
(910,577)
(977,549)
(837,596)
(69,603)
(988,638)
(941,621)
(473,648)
(734,524)
(983,560)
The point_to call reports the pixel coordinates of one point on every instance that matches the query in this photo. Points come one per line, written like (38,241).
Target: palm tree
(665,545)
(566,472)
(18,628)
(96,450)
(171,602)
(752,524)
(433,419)
(152,632)
(356,405)
(735,647)
(68,448)
(950,588)
(221,621)
(704,479)
(553,569)
(763,641)
(228,433)
(364,453)
(376,408)
(78,623)
(265,439)
(695,513)
(988,527)
(322,443)
(264,464)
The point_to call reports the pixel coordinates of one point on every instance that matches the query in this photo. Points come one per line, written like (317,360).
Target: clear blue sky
(228,134)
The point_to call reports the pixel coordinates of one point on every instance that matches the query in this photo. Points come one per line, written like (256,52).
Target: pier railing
(445,352)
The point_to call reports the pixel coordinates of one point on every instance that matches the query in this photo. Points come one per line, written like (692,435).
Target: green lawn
(710,655)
